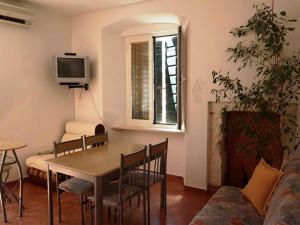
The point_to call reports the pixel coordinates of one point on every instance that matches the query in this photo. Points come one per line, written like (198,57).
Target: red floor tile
(182,205)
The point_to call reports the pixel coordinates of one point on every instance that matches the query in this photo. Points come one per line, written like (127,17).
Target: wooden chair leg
(144,207)
(139,200)
(148,206)
(59,204)
(92,214)
(82,209)
(121,214)
(3,204)
(109,212)
(58,197)
(165,196)
(162,190)
(116,214)
(86,202)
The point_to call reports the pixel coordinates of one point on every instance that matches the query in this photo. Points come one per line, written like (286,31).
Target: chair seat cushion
(153,178)
(76,185)
(228,207)
(111,194)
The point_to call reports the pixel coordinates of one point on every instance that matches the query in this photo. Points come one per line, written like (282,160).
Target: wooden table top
(6,145)
(97,161)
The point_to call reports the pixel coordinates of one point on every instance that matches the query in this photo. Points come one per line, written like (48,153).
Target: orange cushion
(261,186)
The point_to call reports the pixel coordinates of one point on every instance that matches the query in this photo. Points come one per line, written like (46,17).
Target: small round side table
(5,146)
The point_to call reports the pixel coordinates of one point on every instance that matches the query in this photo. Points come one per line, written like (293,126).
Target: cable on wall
(96,110)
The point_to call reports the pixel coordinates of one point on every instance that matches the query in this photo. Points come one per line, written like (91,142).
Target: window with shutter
(140,80)
(165,80)
(153,80)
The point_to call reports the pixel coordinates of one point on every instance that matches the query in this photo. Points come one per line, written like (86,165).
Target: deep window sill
(152,128)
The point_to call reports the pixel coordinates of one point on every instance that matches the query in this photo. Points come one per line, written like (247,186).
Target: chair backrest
(131,165)
(95,140)
(157,160)
(68,147)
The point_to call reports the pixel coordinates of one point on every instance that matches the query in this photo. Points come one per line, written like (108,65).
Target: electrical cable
(96,110)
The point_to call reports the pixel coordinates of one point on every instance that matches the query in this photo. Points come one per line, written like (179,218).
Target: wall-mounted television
(72,69)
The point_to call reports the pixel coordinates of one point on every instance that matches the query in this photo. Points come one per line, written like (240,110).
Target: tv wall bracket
(76,85)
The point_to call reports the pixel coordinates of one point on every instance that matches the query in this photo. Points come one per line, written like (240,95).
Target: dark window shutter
(179,75)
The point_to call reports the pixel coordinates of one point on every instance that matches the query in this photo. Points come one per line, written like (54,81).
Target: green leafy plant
(276,84)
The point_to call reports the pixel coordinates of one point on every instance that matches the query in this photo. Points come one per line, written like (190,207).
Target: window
(153,82)
(165,80)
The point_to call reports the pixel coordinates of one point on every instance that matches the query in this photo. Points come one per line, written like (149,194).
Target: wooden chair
(157,173)
(71,185)
(96,140)
(116,194)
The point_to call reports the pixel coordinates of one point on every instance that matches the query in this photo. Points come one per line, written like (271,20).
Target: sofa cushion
(284,207)
(228,207)
(70,137)
(38,161)
(81,128)
(261,185)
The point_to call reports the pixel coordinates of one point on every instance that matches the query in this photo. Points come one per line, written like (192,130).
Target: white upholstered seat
(73,130)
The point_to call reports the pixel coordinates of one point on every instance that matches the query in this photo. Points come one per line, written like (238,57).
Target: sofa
(228,206)
(36,165)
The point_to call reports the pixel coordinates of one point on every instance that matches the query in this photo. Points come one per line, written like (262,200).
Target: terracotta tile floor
(182,205)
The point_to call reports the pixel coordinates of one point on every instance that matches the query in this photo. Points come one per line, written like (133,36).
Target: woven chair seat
(76,185)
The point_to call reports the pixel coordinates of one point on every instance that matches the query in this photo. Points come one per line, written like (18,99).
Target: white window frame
(134,124)
(128,41)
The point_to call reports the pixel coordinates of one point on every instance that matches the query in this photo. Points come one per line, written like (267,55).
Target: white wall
(113,79)
(207,34)
(33,108)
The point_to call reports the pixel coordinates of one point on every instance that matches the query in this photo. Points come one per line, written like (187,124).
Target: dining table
(8,145)
(98,165)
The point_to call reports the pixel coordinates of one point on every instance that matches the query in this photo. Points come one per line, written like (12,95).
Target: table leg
(21,184)
(50,202)
(2,188)
(98,187)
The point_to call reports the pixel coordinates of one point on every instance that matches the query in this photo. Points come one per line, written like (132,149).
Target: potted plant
(262,46)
